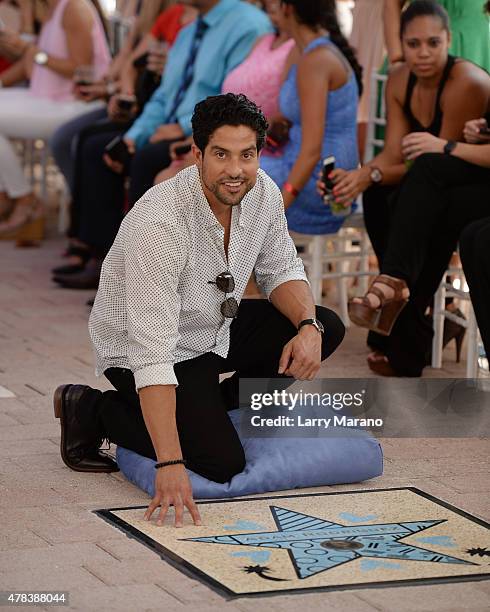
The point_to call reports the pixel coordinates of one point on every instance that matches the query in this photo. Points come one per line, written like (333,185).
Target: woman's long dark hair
(323,13)
(423,8)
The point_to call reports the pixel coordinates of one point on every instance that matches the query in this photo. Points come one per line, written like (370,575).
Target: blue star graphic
(315,545)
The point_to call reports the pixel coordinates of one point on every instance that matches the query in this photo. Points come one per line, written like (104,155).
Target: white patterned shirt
(155,306)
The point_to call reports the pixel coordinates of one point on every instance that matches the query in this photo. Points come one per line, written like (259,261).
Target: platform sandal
(382,318)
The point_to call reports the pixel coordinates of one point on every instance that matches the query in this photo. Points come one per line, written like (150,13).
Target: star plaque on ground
(377,538)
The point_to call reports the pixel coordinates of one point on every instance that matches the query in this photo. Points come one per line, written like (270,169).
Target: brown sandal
(381,319)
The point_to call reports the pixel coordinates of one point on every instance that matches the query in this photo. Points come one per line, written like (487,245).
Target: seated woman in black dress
(429,100)
(441,195)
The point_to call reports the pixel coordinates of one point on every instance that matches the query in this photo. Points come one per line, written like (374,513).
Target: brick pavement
(49,539)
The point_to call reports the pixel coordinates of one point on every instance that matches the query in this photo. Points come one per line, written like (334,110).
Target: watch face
(376,175)
(41,58)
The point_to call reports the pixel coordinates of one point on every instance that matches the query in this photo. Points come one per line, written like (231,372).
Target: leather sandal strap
(378,293)
(397,284)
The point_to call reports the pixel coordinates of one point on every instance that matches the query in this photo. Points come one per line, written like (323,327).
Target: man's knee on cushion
(222,466)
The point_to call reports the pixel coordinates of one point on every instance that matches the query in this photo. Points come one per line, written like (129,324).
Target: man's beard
(228,199)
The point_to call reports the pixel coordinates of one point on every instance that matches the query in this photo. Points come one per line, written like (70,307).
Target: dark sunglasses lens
(229,308)
(225,282)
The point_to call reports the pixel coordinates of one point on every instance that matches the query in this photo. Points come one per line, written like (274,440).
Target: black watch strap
(315,322)
(449,147)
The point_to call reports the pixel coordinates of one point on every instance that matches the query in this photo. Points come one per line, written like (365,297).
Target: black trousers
(209,441)
(97,204)
(474,248)
(414,229)
(100,193)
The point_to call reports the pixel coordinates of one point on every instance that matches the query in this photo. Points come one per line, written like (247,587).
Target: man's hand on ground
(301,357)
(173,488)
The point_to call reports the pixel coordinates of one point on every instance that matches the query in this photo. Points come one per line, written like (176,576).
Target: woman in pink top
(259,77)
(72,36)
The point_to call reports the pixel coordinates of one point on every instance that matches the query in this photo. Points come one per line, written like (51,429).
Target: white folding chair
(329,257)
(377,114)
(440,313)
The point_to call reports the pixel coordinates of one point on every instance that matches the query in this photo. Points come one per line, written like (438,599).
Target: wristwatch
(315,322)
(449,147)
(376,175)
(41,58)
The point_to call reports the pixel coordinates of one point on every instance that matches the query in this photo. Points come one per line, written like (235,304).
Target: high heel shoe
(25,224)
(381,319)
(453,330)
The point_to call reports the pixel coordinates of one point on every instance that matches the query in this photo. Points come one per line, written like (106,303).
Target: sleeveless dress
(470,30)
(37,111)
(46,83)
(435,127)
(259,76)
(470,39)
(308,213)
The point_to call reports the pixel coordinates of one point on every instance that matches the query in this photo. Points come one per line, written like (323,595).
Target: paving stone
(12,448)
(477,482)
(434,598)
(63,555)
(6,420)
(133,598)
(28,432)
(130,571)
(334,600)
(54,576)
(19,538)
(124,548)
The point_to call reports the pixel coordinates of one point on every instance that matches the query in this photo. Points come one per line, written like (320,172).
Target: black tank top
(435,127)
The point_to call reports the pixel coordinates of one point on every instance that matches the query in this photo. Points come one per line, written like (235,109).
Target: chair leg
(44,171)
(343,298)
(472,346)
(364,254)
(316,267)
(438,316)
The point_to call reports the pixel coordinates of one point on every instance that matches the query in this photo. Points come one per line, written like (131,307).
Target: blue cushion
(275,464)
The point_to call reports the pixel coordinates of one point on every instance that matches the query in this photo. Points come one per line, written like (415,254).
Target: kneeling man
(168,318)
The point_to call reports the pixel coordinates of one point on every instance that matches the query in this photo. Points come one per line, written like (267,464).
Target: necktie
(188,73)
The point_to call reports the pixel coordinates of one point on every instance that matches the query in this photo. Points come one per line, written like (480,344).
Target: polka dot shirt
(155,305)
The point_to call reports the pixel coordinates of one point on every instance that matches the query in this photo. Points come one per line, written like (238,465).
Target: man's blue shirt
(233,28)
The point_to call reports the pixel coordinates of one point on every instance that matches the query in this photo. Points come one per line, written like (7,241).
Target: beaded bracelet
(165,463)
(291,189)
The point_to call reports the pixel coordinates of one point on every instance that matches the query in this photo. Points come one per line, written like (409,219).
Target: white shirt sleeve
(154,257)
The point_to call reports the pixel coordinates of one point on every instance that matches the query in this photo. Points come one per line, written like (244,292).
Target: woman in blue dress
(319,98)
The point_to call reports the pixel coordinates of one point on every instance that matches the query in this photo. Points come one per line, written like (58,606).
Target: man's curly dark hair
(227,109)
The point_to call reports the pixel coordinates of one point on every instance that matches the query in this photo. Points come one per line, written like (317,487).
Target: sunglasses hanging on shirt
(226,283)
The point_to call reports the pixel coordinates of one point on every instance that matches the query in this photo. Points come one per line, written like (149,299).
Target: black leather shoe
(80,440)
(83,254)
(88,278)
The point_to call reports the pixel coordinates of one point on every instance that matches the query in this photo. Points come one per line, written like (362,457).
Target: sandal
(381,319)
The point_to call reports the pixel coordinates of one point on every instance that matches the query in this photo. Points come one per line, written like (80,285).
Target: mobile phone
(328,167)
(118,150)
(182,150)
(485,131)
(126,103)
